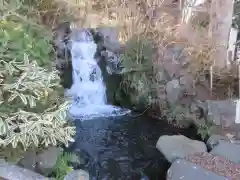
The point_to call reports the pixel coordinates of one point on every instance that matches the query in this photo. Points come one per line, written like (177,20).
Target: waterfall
(88,91)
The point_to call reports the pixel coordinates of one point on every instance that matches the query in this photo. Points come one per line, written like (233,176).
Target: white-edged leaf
(12,97)
(3,127)
(23,98)
(31,101)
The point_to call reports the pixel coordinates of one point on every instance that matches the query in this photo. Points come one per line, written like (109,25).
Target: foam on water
(88,92)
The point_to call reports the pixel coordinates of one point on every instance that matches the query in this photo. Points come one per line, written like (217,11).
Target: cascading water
(88,92)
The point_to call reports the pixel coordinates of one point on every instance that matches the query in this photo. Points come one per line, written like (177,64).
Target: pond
(124,147)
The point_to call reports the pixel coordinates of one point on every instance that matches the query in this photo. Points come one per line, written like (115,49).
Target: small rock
(178,146)
(202,105)
(222,112)
(13,172)
(187,80)
(182,169)
(47,160)
(215,139)
(193,108)
(173,90)
(77,175)
(75,159)
(227,150)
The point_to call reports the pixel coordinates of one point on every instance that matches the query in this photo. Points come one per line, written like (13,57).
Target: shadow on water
(122,148)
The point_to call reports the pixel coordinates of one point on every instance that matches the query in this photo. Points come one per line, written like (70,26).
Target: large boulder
(29,160)
(13,172)
(215,139)
(182,169)
(178,146)
(222,112)
(227,150)
(46,160)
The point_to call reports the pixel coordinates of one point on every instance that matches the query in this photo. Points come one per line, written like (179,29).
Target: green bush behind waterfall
(137,73)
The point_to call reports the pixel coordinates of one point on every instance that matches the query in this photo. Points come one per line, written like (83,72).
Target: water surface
(123,147)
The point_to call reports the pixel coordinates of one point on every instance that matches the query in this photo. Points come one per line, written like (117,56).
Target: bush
(32,110)
(18,39)
(137,81)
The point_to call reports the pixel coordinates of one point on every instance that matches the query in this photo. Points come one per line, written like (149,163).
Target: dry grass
(149,18)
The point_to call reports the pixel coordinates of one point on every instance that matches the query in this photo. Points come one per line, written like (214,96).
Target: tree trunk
(220,24)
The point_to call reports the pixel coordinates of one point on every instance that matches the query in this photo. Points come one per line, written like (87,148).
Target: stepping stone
(185,170)
(217,164)
(178,146)
(227,150)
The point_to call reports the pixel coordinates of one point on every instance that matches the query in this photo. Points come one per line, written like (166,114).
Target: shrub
(18,39)
(62,168)
(32,110)
(137,71)
(206,129)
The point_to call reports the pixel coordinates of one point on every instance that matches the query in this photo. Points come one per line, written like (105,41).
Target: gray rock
(222,112)
(47,160)
(77,175)
(13,172)
(215,139)
(113,62)
(110,39)
(187,80)
(3,162)
(29,160)
(193,108)
(202,92)
(108,32)
(185,170)
(173,90)
(75,159)
(178,146)
(202,105)
(227,150)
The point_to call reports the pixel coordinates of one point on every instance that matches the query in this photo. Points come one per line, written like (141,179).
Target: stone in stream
(185,170)
(178,146)
(77,175)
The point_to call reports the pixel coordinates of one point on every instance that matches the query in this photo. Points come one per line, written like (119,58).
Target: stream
(112,142)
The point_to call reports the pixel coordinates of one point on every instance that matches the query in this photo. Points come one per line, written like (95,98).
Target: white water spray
(88,92)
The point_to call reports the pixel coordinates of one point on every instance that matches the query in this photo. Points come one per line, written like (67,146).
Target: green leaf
(31,101)
(3,127)
(23,98)
(12,97)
